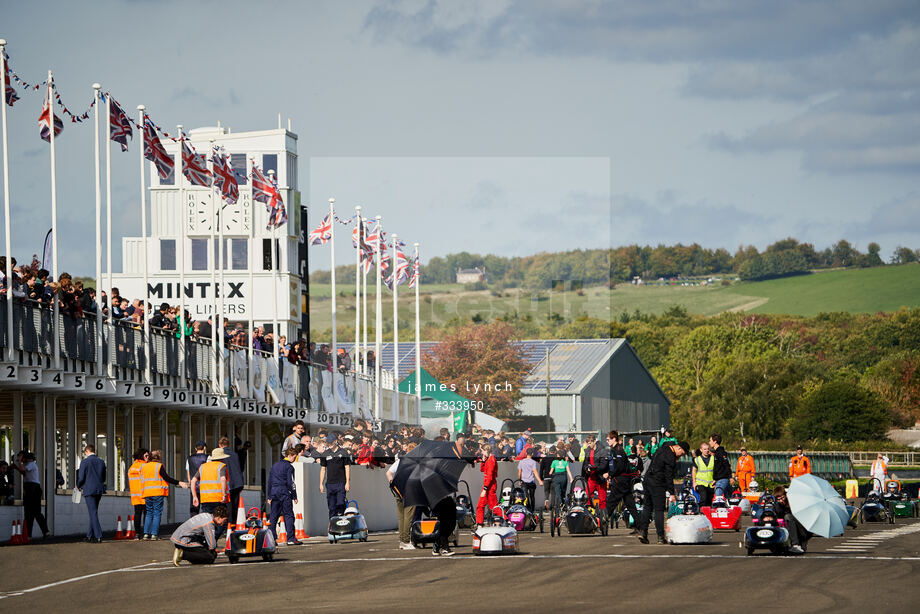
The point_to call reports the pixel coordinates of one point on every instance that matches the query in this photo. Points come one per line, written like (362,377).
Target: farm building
(471,276)
(595,384)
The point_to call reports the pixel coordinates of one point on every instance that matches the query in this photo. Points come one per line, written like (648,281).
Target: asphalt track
(874,567)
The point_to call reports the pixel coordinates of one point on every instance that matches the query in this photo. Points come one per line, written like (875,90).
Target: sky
(504,126)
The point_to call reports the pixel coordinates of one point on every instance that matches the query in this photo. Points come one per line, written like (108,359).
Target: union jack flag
(119,125)
(402,267)
(195,166)
(266,191)
(11,95)
(322,233)
(413,281)
(384,261)
(44,122)
(367,261)
(224,178)
(153,150)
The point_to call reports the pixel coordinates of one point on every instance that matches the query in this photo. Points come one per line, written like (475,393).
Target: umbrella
(817,506)
(428,473)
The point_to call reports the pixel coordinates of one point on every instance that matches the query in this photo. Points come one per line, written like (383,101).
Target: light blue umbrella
(817,506)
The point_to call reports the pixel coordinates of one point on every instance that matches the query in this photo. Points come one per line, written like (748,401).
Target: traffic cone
(264,521)
(281,531)
(14,533)
(229,531)
(298,528)
(131,534)
(240,514)
(119,533)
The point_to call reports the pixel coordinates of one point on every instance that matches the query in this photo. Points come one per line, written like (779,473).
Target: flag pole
(395,279)
(335,346)
(218,324)
(148,342)
(108,215)
(418,344)
(359,366)
(182,222)
(6,209)
(215,264)
(276,274)
(364,320)
(252,290)
(56,345)
(99,286)
(378,325)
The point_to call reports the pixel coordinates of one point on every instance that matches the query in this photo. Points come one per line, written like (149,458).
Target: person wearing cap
(799,465)
(658,481)
(294,438)
(282,495)
(192,463)
(745,470)
(335,476)
(210,486)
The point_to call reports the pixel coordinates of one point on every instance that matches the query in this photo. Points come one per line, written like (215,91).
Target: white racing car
(497,538)
(690,527)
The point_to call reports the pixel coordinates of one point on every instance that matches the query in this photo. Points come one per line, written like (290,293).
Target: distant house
(471,276)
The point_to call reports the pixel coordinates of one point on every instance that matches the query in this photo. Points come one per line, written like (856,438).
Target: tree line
(576,268)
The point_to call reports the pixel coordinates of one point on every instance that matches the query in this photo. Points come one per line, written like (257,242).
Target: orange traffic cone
(281,531)
(131,533)
(229,531)
(264,521)
(298,528)
(119,533)
(240,514)
(14,533)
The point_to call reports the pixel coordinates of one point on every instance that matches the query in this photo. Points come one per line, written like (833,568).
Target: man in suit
(91,481)
(235,473)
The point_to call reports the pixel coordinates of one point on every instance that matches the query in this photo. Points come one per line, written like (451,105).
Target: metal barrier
(895,459)
(775,465)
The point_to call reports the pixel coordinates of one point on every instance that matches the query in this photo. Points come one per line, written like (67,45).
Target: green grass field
(857,290)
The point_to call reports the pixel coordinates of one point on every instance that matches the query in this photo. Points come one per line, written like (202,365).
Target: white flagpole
(276,274)
(218,206)
(335,345)
(364,320)
(108,213)
(359,226)
(148,343)
(6,210)
(252,290)
(56,345)
(99,285)
(395,316)
(378,325)
(182,222)
(216,382)
(418,343)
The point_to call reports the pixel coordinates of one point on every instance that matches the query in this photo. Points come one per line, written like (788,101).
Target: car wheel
(268,557)
(233,558)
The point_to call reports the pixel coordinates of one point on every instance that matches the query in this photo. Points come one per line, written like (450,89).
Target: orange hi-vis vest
(209,487)
(154,485)
(799,466)
(745,464)
(136,482)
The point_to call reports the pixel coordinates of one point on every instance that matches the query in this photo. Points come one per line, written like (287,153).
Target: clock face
(232,219)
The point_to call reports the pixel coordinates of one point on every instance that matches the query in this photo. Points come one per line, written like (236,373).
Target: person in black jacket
(621,472)
(798,536)
(658,481)
(722,471)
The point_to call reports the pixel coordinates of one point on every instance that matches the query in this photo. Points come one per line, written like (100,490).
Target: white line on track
(75,579)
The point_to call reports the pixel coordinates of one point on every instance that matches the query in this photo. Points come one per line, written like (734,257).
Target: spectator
(722,472)
(31,492)
(529,473)
(6,484)
(205,329)
(335,476)
(520,442)
(575,446)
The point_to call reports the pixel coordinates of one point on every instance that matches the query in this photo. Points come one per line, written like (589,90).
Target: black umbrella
(428,473)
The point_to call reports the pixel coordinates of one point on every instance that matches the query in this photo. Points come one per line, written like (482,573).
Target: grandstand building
(594,384)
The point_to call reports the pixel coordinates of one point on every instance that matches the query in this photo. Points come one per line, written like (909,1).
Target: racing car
(251,540)
(498,538)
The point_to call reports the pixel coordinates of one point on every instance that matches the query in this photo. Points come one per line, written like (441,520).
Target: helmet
(753,486)
(351,510)
(579,496)
(691,507)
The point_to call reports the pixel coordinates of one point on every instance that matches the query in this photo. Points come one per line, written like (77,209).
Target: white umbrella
(817,506)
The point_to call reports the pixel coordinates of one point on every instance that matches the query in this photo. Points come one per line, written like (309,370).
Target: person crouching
(196,538)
